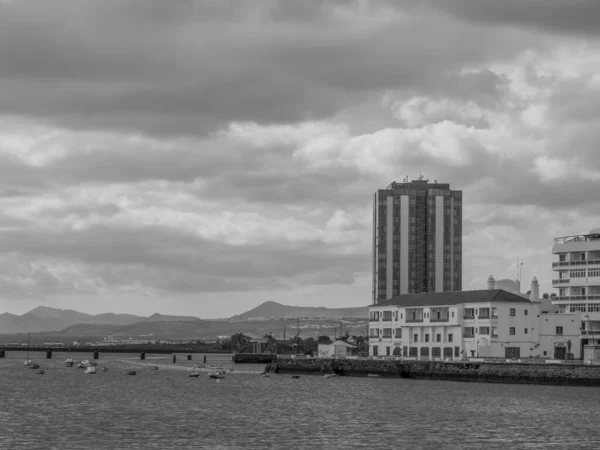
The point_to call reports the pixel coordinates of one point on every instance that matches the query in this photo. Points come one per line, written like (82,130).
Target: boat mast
(298,338)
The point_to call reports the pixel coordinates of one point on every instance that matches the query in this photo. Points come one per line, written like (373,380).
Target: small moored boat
(69,363)
(194,374)
(218,374)
(40,372)
(331,375)
(90,369)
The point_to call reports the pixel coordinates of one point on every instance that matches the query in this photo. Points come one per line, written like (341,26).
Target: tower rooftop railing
(577,238)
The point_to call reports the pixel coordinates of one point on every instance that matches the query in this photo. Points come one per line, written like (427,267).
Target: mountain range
(74,323)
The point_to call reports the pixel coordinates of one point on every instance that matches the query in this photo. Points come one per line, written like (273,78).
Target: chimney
(491,283)
(535,290)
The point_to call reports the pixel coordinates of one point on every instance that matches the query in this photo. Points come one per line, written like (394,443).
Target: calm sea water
(165,409)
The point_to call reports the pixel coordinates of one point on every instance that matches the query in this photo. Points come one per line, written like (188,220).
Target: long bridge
(96,350)
(142,350)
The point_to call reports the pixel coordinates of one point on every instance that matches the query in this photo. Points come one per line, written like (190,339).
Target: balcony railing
(494,336)
(494,316)
(413,320)
(576,263)
(590,333)
(561,281)
(484,316)
(578,297)
(387,319)
(468,317)
(465,335)
(577,238)
(441,319)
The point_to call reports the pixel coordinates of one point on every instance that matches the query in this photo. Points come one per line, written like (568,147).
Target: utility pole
(298,337)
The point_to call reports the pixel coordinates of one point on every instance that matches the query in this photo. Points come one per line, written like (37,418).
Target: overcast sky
(201,157)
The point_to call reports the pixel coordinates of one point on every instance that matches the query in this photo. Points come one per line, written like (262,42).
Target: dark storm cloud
(578,17)
(169,259)
(198,66)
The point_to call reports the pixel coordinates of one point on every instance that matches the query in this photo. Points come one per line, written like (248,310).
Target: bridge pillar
(189,357)
(2,353)
(96,355)
(143,355)
(48,354)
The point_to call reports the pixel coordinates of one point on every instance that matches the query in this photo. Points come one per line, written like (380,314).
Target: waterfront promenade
(533,371)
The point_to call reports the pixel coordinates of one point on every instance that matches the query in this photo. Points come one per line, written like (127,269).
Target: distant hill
(277,310)
(44,319)
(163,318)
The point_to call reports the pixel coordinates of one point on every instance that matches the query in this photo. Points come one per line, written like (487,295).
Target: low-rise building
(340,348)
(455,325)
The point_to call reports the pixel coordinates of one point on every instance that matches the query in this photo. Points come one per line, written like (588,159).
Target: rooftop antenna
(519,270)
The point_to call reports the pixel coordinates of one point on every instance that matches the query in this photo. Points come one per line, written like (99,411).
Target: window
(388,351)
(484,330)
(375,350)
(398,333)
(512,331)
(512,311)
(438,338)
(593,272)
(469,313)
(526,312)
(559,331)
(577,273)
(450,337)
(512,352)
(469,332)
(562,257)
(452,313)
(416,338)
(426,337)
(526,331)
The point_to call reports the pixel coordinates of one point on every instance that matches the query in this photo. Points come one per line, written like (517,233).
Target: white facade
(578,281)
(560,334)
(455,331)
(337,349)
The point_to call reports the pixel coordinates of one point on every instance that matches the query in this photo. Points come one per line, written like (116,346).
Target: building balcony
(575,263)
(494,316)
(386,319)
(468,335)
(443,319)
(571,298)
(494,336)
(486,316)
(561,281)
(590,333)
(414,320)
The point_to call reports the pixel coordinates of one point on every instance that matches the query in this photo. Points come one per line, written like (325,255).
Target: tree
(310,346)
(325,340)
(239,341)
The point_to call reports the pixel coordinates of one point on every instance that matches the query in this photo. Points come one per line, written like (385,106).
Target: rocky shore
(533,372)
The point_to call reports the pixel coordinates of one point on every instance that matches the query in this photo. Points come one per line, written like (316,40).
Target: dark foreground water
(165,409)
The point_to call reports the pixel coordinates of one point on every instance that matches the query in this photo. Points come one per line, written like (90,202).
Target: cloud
(220,151)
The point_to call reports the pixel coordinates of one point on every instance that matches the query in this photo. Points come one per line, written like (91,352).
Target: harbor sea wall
(571,374)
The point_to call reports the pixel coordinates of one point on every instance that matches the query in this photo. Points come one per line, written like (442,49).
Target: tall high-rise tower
(417,239)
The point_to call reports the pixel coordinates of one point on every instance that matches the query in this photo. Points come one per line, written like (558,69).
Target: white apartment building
(578,281)
(454,325)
